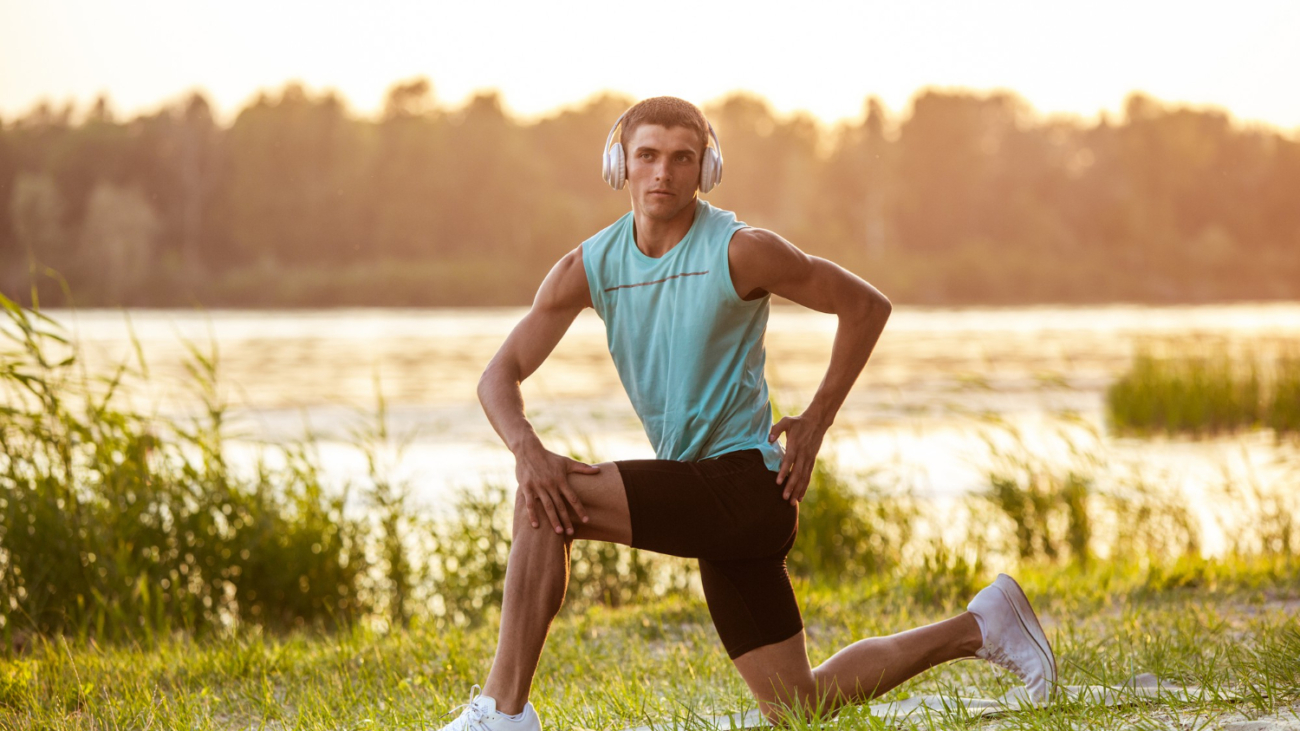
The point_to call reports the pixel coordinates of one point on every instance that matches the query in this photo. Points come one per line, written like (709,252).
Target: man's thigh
(724,508)
(605,501)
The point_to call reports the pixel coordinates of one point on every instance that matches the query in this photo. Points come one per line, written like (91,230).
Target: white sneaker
(1013,639)
(481,714)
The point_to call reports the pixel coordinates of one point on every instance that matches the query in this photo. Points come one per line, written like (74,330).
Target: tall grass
(118,524)
(1045,502)
(1284,411)
(1065,500)
(851,528)
(1203,390)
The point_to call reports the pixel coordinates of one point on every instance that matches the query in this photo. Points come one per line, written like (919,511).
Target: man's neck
(656,237)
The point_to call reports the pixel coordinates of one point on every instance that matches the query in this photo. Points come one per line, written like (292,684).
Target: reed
(1284,410)
(851,526)
(1066,500)
(1047,505)
(118,524)
(1204,390)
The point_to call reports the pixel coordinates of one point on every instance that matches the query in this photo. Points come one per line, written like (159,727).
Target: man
(684,291)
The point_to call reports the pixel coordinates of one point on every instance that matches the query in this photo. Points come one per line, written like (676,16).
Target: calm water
(920,408)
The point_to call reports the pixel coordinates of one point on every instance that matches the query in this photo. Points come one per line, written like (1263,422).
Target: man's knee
(799,700)
(523,527)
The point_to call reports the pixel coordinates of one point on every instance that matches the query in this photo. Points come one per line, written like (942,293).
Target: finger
(550,511)
(528,505)
(778,428)
(563,512)
(586,469)
(572,497)
(783,476)
(801,487)
(805,480)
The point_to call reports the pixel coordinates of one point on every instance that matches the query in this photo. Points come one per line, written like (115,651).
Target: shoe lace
(474,718)
(994,653)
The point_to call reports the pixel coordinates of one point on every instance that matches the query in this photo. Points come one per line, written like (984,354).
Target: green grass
(1199,390)
(1235,634)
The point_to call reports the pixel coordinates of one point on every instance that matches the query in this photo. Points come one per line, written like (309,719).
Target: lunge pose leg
(750,596)
(998,626)
(537,575)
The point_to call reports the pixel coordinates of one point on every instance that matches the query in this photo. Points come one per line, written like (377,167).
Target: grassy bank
(1230,628)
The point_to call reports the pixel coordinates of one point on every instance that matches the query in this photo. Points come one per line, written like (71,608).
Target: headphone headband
(614,129)
(614,161)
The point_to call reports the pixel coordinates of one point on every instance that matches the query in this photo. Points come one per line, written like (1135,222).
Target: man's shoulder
(758,241)
(566,285)
(758,256)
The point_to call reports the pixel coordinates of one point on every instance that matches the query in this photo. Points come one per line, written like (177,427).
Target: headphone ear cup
(710,170)
(617,166)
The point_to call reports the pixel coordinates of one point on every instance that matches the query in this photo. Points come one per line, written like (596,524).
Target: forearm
(503,402)
(855,337)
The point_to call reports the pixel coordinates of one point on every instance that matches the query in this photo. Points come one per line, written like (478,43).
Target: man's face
(663,169)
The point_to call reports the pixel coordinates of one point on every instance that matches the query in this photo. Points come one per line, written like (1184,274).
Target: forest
(964,198)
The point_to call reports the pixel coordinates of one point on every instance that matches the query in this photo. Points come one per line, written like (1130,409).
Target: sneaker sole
(1029,621)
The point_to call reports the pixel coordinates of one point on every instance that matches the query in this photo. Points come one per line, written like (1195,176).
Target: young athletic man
(684,291)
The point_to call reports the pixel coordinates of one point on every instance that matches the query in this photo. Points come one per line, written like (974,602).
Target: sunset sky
(825,57)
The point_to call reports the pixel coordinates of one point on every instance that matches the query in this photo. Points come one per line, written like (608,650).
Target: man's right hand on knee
(543,476)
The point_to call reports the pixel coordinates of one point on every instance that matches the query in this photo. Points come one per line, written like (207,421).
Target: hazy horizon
(83,107)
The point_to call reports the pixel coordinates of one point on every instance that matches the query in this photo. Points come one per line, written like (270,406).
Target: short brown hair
(667,111)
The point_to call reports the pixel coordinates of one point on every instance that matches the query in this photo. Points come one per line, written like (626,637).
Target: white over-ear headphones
(614,164)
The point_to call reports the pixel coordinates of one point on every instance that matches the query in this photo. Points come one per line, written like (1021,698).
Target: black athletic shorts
(727,512)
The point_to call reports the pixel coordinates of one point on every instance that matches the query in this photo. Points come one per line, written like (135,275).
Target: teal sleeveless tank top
(687,348)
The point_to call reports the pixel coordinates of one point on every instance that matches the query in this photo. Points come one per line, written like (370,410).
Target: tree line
(967,198)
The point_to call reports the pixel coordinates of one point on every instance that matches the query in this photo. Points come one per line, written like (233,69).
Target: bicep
(560,298)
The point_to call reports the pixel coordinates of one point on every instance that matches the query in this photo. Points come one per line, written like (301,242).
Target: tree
(296,189)
(37,209)
(408,174)
(117,239)
(858,184)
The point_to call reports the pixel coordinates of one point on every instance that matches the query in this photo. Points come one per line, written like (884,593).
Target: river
(941,381)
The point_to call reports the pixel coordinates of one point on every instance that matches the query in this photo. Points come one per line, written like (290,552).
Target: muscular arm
(561,297)
(761,260)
